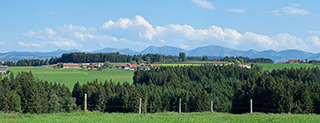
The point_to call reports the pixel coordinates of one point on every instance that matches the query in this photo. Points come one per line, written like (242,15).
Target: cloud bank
(137,33)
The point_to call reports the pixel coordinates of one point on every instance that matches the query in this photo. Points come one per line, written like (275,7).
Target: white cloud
(2,43)
(137,33)
(289,11)
(314,32)
(295,5)
(295,11)
(30,44)
(203,3)
(84,8)
(65,43)
(237,10)
(162,41)
(41,34)
(276,13)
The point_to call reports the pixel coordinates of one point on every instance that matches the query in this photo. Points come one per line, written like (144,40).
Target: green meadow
(70,76)
(169,117)
(271,66)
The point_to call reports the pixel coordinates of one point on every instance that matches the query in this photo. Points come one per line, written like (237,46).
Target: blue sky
(187,24)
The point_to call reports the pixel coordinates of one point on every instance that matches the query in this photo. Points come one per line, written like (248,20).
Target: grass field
(281,66)
(70,76)
(203,117)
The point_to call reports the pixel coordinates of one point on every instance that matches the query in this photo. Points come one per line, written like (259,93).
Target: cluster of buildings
(290,61)
(135,66)
(84,65)
(97,65)
(220,63)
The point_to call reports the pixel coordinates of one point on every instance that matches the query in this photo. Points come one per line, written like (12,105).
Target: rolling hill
(211,50)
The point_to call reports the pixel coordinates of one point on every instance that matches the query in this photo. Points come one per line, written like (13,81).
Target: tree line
(229,87)
(241,59)
(24,93)
(27,62)
(81,57)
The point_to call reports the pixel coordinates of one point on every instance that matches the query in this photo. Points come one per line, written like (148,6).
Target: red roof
(295,60)
(143,62)
(217,62)
(74,65)
(123,65)
(242,65)
(133,65)
(156,65)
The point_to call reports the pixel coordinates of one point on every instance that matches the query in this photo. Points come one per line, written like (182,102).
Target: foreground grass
(70,76)
(209,117)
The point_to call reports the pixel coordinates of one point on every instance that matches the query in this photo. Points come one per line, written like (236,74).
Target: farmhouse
(143,62)
(217,63)
(293,61)
(71,66)
(145,68)
(129,66)
(244,66)
(93,65)
(156,66)
(3,69)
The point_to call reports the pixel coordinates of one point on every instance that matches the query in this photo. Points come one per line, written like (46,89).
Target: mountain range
(211,50)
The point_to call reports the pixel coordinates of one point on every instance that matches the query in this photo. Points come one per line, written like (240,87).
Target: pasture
(199,117)
(271,66)
(70,76)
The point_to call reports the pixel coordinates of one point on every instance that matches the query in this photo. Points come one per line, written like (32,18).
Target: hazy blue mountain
(211,50)
(18,55)
(126,51)
(165,50)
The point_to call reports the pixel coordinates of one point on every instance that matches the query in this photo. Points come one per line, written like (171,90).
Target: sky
(43,25)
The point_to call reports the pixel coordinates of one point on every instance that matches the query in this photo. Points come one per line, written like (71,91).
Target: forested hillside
(229,87)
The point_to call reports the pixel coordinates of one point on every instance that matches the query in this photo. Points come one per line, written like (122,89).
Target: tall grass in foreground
(94,117)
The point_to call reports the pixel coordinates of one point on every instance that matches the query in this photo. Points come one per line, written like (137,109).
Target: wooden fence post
(180,106)
(140,106)
(290,109)
(251,106)
(85,102)
(211,106)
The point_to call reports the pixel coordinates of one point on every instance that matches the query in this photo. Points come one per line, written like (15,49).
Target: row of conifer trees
(229,87)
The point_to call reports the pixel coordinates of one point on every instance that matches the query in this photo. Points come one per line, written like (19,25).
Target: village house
(143,62)
(129,66)
(156,66)
(245,66)
(71,66)
(3,69)
(145,68)
(217,63)
(293,61)
(93,65)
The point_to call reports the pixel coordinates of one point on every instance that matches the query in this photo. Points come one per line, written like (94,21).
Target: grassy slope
(71,76)
(281,66)
(158,117)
